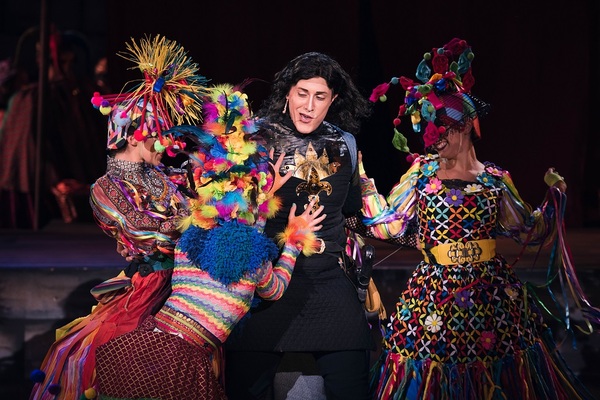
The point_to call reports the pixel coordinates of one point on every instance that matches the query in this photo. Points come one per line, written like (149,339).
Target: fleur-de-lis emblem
(313,169)
(313,186)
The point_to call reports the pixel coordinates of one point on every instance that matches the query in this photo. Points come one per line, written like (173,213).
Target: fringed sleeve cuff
(298,234)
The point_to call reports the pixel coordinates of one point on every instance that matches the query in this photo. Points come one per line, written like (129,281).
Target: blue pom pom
(394,81)
(54,389)
(37,376)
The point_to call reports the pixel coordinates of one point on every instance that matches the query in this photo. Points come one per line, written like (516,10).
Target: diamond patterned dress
(464,328)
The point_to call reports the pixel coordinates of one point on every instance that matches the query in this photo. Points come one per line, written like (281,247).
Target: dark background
(535,61)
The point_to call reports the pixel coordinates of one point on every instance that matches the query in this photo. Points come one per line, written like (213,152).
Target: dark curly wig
(348,109)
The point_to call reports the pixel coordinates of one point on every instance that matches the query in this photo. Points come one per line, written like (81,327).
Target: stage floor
(46,277)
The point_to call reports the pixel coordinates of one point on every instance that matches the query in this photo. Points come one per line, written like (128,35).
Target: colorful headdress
(232,179)
(169,94)
(231,176)
(442,100)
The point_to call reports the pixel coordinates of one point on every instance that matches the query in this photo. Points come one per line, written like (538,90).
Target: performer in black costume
(320,312)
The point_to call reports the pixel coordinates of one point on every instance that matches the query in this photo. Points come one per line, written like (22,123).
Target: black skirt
(320,311)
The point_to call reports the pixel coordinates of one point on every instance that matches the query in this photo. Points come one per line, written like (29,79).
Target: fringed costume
(141,206)
(465,327)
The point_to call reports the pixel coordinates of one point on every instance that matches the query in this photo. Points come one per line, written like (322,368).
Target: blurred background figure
(71,146)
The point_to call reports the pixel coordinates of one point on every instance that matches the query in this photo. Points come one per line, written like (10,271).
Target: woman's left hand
(312,219)
(553,179)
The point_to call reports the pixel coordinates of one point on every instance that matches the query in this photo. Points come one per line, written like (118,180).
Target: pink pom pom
(97,100)
(121,118)
(140,135)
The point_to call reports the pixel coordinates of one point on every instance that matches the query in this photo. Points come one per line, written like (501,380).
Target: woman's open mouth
(305,118)
(440,145)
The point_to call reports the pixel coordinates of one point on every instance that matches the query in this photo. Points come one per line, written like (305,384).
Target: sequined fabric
(142,175)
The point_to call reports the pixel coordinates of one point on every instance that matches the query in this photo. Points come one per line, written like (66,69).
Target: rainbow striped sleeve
(276,278)
(387,219)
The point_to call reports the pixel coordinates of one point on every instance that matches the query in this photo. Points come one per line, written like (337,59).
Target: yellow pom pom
(105,110)
(90,393)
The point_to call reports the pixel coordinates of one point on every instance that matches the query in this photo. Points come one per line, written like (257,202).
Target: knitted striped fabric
(218,307)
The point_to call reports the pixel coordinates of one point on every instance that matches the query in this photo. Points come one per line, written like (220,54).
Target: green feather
(400,142)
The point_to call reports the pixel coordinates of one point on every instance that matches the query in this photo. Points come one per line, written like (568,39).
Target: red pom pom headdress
(442,100)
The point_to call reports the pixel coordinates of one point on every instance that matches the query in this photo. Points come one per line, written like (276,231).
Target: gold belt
(473,251)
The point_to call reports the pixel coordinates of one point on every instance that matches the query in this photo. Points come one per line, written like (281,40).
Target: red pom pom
(396,121)
(412,157)
(139,135)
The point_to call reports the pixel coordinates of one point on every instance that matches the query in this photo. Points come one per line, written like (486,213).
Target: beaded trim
(172,321)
